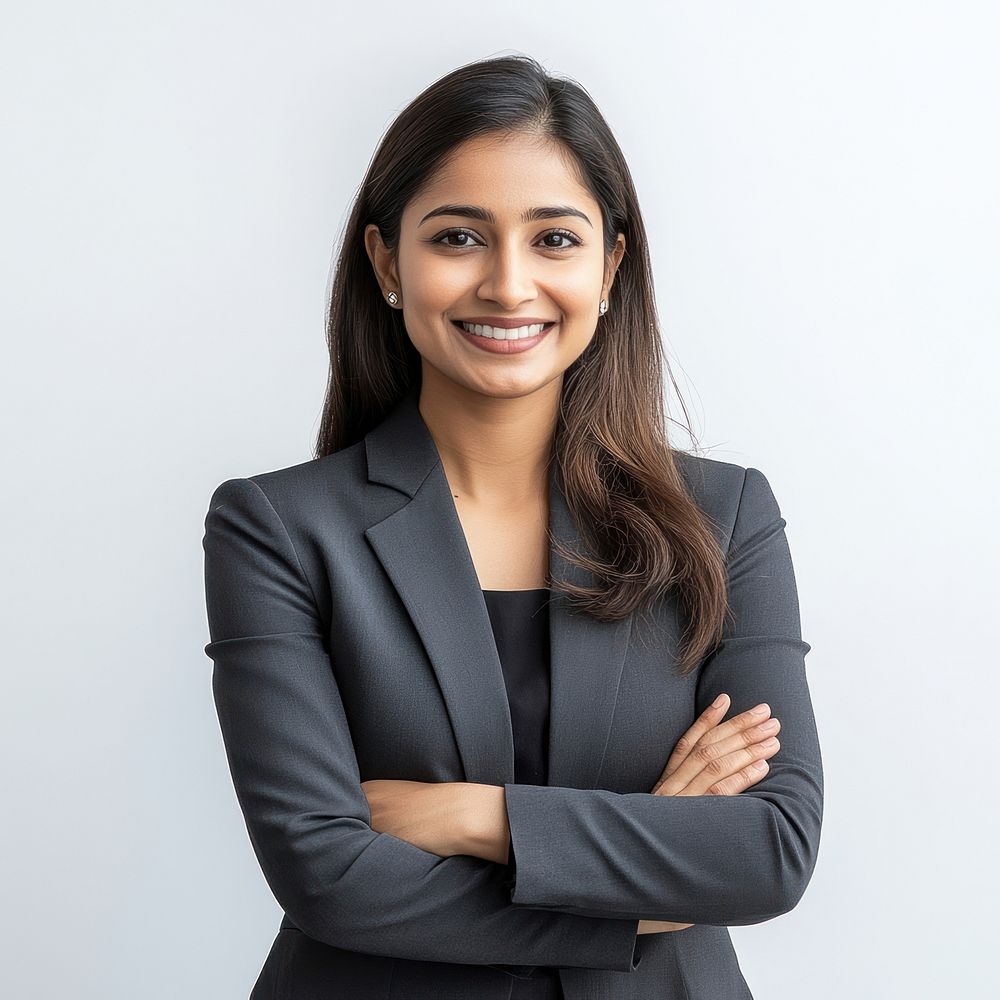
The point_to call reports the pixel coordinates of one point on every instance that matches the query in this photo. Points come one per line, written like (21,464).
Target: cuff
(623,951)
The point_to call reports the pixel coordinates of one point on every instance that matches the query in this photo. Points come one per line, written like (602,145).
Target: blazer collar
(422,547)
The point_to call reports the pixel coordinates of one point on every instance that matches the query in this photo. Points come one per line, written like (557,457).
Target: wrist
(486,832)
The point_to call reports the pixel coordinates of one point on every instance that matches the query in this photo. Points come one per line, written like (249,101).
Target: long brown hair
(645,534)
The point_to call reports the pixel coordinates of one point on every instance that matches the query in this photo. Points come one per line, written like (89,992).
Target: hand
(428,814)
(715,759)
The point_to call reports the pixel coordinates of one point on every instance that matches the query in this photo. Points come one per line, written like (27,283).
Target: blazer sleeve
(298,784)
(710,859)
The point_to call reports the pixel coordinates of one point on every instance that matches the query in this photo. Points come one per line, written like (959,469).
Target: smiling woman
(485,667)
(500,225)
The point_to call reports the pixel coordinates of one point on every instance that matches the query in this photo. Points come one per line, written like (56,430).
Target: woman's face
(470,251)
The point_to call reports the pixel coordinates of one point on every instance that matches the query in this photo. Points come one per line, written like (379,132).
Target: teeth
(498,333)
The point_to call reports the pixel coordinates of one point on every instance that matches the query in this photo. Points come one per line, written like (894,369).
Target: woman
(485,667)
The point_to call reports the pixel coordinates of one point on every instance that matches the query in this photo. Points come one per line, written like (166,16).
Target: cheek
(431,290)
(582,285)
(435,283)
(576,337)
(577,291)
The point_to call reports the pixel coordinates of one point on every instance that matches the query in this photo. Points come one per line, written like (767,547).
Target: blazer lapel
(422,547)
(587,659)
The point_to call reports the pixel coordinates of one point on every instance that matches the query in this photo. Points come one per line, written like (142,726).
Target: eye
(562,234)
(454,233)
(467,237)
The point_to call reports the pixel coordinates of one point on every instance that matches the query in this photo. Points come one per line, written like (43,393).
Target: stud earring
(604,306)
(393,298)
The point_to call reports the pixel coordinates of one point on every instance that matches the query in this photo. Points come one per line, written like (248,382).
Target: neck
(494,450)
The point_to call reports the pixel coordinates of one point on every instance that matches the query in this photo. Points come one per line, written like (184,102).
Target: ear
(383,259)
(614,259)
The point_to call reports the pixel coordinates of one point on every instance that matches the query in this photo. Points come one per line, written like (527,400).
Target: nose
(508,279)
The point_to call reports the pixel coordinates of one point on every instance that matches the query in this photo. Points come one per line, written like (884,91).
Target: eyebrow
(485,215)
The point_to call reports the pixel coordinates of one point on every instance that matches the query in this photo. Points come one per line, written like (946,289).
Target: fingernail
(719,702)
(760,765)
(761,709)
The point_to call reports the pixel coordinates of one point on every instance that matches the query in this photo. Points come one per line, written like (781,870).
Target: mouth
(529,332)
(497,340)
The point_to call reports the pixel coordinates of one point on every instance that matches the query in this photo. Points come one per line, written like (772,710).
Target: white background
(819,182)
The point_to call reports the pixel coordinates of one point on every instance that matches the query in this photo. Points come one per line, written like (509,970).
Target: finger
(715,733)
(701,727)
(740,781)
(755,716)
(746,737)
(731,773)
(710,763)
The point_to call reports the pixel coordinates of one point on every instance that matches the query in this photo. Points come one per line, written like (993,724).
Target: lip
(502,322)
(492,346)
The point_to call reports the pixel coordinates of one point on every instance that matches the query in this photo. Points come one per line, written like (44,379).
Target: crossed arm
(712,757)
(454,817)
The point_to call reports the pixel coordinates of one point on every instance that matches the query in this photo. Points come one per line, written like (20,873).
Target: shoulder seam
(736,518)
(291,544)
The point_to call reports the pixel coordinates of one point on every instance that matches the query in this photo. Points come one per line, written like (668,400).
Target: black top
(520,620)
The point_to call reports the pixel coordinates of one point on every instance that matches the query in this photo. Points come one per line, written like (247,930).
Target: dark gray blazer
(351,641)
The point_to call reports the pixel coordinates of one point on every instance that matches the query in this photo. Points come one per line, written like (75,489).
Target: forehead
(506,173)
